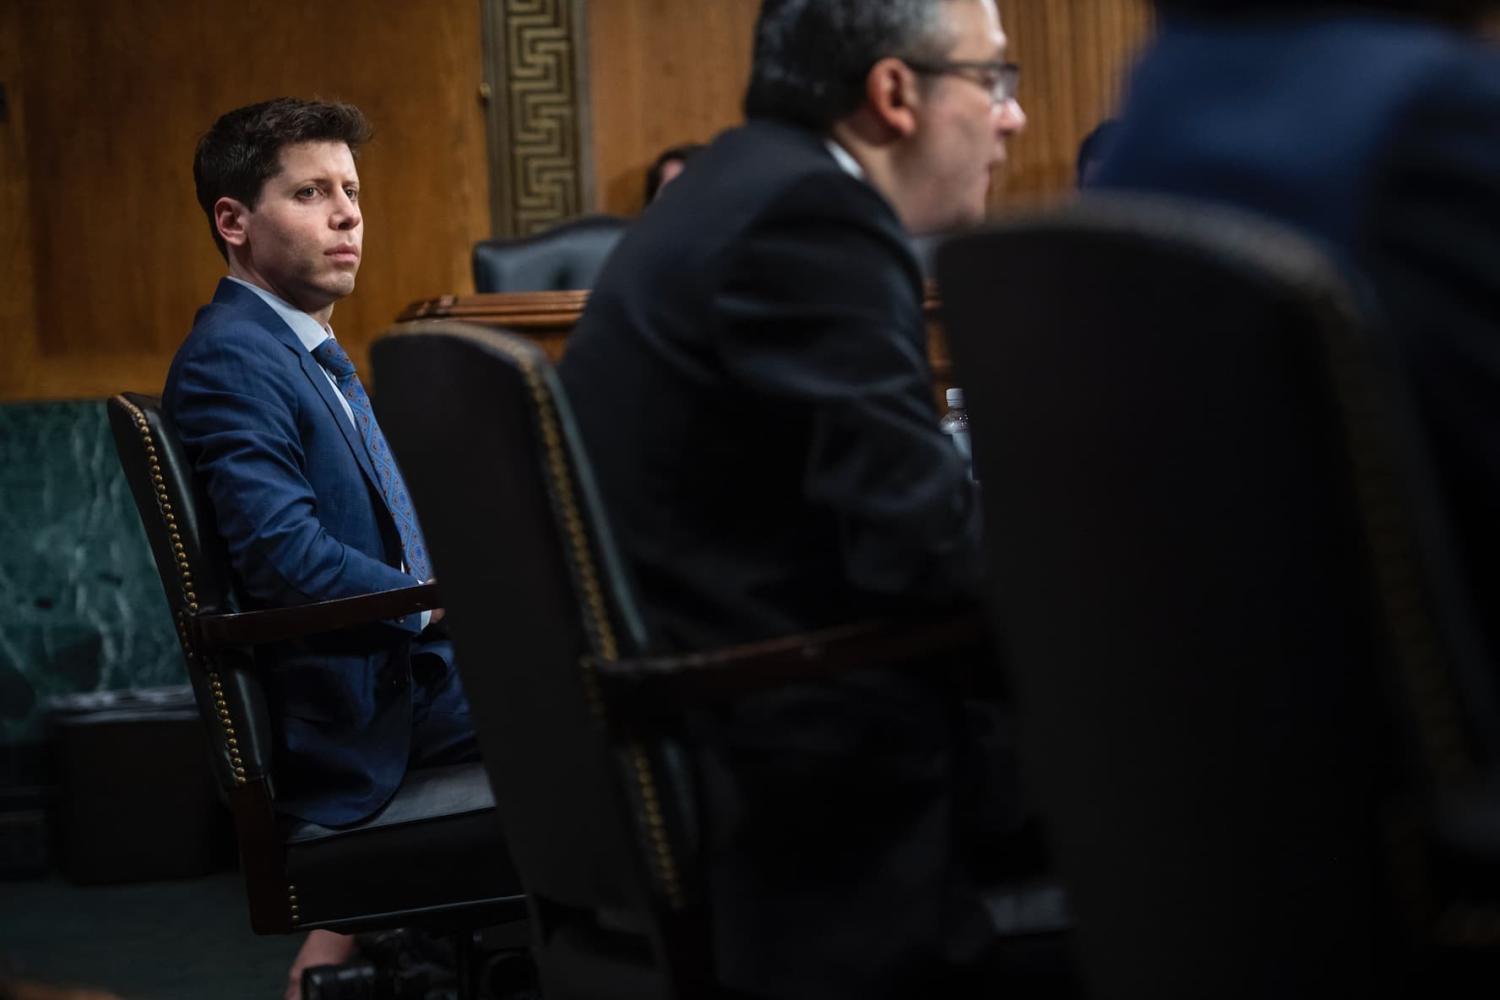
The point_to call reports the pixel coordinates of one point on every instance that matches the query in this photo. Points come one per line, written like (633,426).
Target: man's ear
(891,91)
(229,218)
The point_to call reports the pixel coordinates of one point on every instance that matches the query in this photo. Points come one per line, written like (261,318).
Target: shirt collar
(845,160)
(308,330)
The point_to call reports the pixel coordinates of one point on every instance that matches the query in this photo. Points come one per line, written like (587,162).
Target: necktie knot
(333,358)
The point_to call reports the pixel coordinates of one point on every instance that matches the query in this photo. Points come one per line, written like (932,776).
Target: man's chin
(339,287)
(960,218)
(324,295)
(974,215)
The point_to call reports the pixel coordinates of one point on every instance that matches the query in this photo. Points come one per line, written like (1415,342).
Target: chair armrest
(250,628)
(661,685)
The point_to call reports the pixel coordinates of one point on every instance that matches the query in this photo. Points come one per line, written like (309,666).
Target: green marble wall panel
(81,606)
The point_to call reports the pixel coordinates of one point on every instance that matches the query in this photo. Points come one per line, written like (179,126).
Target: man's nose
(345,212)
(1010,118)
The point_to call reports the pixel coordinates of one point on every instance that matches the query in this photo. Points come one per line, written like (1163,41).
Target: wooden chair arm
(277,624)
(659,685)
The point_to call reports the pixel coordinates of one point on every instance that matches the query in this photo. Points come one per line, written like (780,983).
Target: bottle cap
(955,397)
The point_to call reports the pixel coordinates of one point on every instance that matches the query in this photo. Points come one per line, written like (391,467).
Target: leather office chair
(567,256)
(434,857)
(576,719)
(1260,728)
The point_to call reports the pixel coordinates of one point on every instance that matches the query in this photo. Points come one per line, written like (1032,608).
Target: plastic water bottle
(955,424)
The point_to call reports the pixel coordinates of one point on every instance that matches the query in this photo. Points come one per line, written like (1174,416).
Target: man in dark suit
(751,382)
(305,493)
(1374,127)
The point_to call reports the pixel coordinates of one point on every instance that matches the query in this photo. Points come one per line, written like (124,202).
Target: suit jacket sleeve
(820,310)
(237,410)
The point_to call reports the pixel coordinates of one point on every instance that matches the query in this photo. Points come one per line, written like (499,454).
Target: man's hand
(320,948)
(437,613)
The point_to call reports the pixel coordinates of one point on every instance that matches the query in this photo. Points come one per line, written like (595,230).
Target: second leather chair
(580,726)
(565,257)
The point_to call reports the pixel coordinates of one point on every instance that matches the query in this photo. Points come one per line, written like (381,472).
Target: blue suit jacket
(299,507)
(1381,139)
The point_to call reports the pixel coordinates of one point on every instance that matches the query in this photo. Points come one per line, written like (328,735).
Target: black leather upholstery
(193,567)
(434,856)
(495,525)
(595,787)
(1248,690)
(568,256)
(368,868)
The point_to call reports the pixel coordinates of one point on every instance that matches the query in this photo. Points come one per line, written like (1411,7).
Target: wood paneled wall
(18,336)
(1074,56)
(661,73)
(664,72)
(106,254)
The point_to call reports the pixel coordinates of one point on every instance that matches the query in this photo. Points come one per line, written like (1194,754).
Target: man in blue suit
(304,490)
(1374,127)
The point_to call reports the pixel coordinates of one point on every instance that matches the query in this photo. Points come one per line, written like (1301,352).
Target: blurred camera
(394,965)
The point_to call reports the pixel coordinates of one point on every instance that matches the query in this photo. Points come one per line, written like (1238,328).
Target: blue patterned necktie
(336,362)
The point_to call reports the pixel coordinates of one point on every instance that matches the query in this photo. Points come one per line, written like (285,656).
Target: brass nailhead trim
(185,581)
(595,618)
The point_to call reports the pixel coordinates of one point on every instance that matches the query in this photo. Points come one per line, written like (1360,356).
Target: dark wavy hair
(1460,12)
(242,150)
(812,56)
(681,154)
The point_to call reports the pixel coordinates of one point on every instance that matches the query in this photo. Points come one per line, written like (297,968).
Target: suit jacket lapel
(236,295)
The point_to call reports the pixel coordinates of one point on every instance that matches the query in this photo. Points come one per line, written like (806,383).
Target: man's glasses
(999,78)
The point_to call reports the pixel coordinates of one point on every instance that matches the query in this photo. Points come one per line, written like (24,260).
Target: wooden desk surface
(548,318)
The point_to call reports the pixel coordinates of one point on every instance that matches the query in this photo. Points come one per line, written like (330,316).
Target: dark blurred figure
(751,382)
(668,166)
(1092,150)
(1375,128)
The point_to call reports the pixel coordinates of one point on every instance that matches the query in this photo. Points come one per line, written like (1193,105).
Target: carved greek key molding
(536,61)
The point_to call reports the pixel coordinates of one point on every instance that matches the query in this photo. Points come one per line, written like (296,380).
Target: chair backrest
(568,256)
(195,573)
(534,588)
(194,569)
(1211,574)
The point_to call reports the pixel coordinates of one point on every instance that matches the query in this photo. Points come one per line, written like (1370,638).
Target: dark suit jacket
(751,382)
(1380,138)
(297,502)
